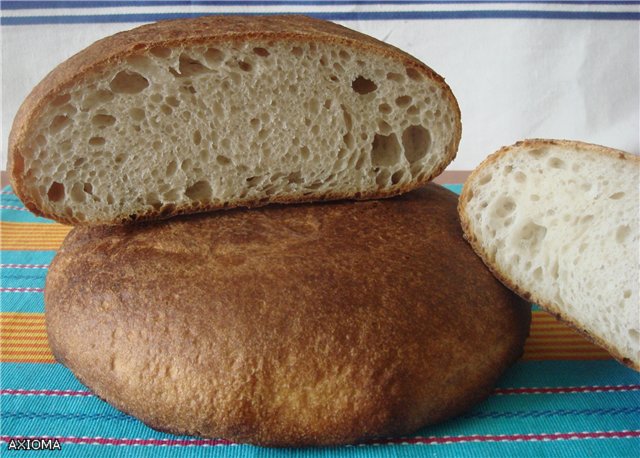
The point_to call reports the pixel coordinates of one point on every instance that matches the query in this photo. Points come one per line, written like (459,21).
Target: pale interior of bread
(563,224)
(234,123)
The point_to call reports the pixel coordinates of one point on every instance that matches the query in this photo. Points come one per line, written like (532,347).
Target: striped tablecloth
(564,398)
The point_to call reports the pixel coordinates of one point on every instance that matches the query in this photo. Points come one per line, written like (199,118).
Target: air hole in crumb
(416,141)
(127,82)
(626,294)
(61,100)
(58,123)
(188,66)
(484,179)
(413,74)
(171,100)
(403,100)
(171,195)
(557,163)
(533,233)
(537,274)
(160,51)
(384,128)
(384,108)
(78,162)
(56,192)
(222,160)
(199,191)
(166,109)
(296,51)
(77,193)
(244,66)
(197,137)
(214,55)
(186,165)
(504,207)
(534,197)
(97,141)
(262,52)
(348,140)
(385,150)
(622,233)
(362,85)
(520,177)
(616,196)
(397,77)
(137,114)
(397,177)
(382,179)
(88,188)
(538,152)
(304,152)
(172,167)
(344,55)
(103,120)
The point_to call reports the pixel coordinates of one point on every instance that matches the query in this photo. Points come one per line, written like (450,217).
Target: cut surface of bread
(558,222)
(291,325)
(192,115)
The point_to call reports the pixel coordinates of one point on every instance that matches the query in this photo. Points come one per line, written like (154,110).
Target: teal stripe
(457,188)
(23,278)
(88,416)
(26,257)
(565,449)
(17,216)
(568,373)
(21,302)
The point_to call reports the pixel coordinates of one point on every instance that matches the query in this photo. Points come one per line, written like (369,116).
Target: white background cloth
(518,69)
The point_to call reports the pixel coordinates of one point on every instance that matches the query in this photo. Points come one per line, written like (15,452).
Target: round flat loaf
(287,325)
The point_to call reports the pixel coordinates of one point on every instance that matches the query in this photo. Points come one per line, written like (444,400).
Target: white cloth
(518,69)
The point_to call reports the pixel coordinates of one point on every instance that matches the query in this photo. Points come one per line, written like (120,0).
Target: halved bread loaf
(557,222)
(192,115)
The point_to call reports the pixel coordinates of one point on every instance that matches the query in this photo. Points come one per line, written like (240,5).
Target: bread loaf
(289,325)
(557,222)
(192,115)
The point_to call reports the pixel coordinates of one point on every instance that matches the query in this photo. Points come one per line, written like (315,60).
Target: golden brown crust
(465,222)
(289,325)
(210,30)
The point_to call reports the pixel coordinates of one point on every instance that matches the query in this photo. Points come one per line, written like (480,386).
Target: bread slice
(193,115)
(557,222)
(291,326)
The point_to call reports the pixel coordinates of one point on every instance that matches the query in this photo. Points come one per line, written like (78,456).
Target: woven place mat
(566,397)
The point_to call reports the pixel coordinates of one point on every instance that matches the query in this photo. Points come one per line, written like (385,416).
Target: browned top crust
(195,31)
(288,325)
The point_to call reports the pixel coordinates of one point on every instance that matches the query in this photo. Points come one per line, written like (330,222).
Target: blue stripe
(82,416)
(337,16)
(22,302)
(26,5)
(27,257)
